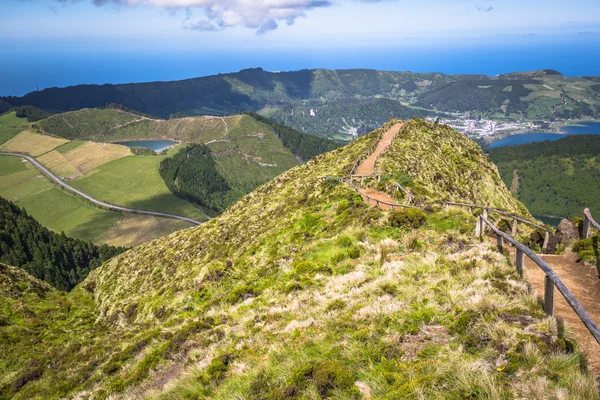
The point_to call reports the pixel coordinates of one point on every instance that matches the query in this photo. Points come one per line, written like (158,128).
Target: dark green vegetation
(558,178)
(59,260)
(589,250)
(303,146)
(32,113)
(192,174)
(300,290)
(243,151)
(342,101)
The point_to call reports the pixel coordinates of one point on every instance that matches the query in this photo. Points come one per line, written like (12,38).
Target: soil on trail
(368,166)
(582,280)
(377,195)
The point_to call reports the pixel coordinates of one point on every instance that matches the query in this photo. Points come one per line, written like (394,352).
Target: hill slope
(556,178)
(247,153)
(339,103)
(55,258)
(300,290)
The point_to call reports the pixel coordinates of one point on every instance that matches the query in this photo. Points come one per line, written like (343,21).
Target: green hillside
(343,101)
(247,151)
(299,290)
(59,260)
(555,178)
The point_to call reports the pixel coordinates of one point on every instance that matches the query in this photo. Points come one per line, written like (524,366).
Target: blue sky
(66,42)
(267,24)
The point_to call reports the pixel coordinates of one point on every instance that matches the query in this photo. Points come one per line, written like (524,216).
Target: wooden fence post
(500,241)
(519,258)
(470,210)
(514,227)
(548,296)
(546,239)
(485,215)
(478,227)
(585,232)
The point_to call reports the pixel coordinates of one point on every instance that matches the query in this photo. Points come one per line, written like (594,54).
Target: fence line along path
(579,307)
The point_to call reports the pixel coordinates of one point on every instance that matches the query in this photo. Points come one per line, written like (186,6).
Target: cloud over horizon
(262,15)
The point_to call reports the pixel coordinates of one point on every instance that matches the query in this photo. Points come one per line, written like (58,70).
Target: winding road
(93,200)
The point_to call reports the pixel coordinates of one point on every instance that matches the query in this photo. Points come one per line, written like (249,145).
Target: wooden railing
(588,222)
(516,219)
(550,282)
(377,201)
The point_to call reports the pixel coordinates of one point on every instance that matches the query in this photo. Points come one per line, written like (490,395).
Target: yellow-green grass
(84,157)
(91,155)
(58,164)
(10,126)
(31,143)
(135,229)
(134,182)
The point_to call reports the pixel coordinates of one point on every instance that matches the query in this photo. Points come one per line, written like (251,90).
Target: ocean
(22,69)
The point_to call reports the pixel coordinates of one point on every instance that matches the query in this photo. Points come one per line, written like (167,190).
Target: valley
(343,104)
(78,148)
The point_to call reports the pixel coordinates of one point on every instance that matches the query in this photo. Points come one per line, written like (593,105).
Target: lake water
(581,129)
(156,145)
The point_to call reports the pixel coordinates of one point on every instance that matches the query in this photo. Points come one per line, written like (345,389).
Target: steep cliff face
(300,290)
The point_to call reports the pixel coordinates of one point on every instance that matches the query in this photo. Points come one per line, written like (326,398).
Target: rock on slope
(300,290)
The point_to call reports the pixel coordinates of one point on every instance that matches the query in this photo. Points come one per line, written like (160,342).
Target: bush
(142,151)
(409,217)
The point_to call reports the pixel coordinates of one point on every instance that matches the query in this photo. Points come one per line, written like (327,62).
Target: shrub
(409,217)
(330,375)
(336,305)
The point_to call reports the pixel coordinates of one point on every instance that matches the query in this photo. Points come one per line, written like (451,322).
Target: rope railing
(551,279)
(588,222)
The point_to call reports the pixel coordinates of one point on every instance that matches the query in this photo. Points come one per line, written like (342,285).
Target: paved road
(91,199)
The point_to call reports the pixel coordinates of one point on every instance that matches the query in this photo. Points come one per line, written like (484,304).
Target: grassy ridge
(299,290)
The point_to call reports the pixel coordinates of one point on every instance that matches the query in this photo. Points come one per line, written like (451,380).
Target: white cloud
(262,15)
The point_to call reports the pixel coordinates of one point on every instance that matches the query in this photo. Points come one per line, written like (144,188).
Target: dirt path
(368,166)
(582,280)
(377,195)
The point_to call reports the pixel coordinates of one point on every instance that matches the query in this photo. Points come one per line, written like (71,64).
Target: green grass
(134,181)
(54,208)
(65,148)
(11,126)
(70,215)
(11,165)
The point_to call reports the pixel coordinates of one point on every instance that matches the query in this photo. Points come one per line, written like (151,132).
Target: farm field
(134,182)
(61,211)
(31,143)
(83,158)
(11,126)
